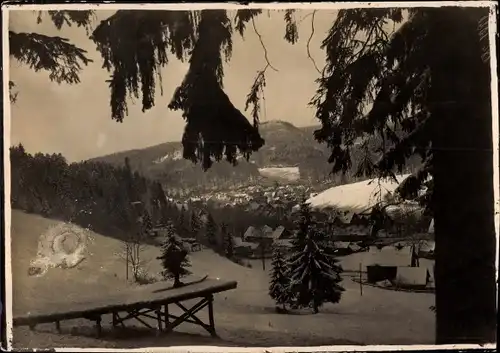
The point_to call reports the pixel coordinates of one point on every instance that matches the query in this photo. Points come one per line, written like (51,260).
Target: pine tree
(211,231)
(314,271)
(228,242)
(279,288)
(181,222)
(174,257)
(194,224)
(147,223)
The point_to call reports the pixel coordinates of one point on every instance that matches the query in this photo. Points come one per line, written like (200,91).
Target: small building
(342,248)
(283,244)
(412,277)
(242,248)
(281,233)
(192,244)
(252,234)
(259,236)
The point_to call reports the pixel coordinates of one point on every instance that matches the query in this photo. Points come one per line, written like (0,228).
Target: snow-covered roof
(356,197)
(431,227)
(251,231)
(283,243)
(277,232)
(238,242)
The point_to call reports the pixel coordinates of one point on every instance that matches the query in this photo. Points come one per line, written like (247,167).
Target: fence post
(360,279)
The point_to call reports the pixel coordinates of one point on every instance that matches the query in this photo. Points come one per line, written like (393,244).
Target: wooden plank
(155,294)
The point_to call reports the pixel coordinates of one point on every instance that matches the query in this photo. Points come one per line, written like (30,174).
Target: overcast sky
(75,119)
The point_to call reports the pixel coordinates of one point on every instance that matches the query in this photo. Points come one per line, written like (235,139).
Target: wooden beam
(159,321)
(98,326)
(190,313)
(211,315)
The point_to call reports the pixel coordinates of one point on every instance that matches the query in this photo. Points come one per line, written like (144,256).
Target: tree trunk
(177,280)
(315,308)
(463,202)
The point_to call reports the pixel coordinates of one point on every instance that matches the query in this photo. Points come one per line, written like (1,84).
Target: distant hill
(285,146)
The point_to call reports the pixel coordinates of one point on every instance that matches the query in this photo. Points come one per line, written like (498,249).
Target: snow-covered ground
(356,196)
(176,156)
(244,316)
(281,173)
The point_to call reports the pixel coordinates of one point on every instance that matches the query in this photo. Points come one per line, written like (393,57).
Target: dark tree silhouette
(61,59)
(421,81)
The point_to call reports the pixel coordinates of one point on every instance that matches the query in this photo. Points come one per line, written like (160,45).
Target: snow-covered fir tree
(279,287)
(174,257)
(314,270)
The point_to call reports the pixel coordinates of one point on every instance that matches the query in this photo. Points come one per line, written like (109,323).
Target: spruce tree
(314,270)
(174,257)
(147,223)
(279,288)
(228,242)
(181,222)
(194,224)
(211,231)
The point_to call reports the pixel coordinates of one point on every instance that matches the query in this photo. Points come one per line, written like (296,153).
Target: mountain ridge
(286,146)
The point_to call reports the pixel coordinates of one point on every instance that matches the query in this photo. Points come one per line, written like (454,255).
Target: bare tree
(131,255)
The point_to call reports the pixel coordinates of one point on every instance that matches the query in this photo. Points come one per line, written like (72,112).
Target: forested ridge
(109,199)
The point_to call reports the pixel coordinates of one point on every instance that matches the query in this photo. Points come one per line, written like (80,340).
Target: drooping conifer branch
(215,128)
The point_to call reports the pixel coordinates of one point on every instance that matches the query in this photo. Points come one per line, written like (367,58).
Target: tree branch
(309,42)
(263,47)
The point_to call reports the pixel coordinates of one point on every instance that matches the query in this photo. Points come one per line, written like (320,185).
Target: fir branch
(56,55)
(309,42)
(263,46)
(291,32)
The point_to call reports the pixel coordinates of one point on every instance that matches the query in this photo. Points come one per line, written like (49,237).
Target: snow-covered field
(244,316)
(175,156)
(281,173)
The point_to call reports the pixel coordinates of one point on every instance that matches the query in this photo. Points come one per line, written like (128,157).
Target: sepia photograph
(262,175)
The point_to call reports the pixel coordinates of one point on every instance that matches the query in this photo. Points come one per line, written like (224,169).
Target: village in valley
(213,216)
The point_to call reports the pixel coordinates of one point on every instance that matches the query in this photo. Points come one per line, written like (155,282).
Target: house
(192,244)
(266,231)
(342,248)
(283,244)
(281,233)
(259,236)
(412,277)
(426,249)
(251,234)
(350,232)
(242,248)
(360,220)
